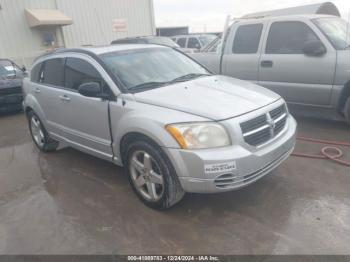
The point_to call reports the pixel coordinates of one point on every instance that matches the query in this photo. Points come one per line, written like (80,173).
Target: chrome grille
(264,128)
(253,124)
(279,111)
(280,126)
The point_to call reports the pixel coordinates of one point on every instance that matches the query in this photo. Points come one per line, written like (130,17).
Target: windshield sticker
(220,168)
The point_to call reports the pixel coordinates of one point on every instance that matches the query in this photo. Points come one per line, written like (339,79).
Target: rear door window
(289,37)
(79,71)
(53,73)
(247,39)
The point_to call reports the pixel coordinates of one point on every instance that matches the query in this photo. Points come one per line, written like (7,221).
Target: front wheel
(152,175)
(39,134)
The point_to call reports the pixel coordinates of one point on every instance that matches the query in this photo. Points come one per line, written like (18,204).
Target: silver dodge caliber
(173,125)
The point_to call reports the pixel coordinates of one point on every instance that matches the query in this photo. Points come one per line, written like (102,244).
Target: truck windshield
(152,67)
(336,30)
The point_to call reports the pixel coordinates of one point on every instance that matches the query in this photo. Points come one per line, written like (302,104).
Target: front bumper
(231,168)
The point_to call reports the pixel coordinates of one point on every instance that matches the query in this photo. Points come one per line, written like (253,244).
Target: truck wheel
(152,176)
(347,110)
(39,134)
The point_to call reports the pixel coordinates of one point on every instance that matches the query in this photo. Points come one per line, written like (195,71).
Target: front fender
(148,120)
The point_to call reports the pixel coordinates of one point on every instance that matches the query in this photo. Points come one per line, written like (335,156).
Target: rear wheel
(39,134)
(152,175)
(347,110)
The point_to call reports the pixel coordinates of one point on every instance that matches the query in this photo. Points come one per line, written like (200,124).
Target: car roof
(99,50)
(118,48)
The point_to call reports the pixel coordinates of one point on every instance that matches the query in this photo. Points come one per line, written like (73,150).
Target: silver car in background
(194,42)
(173,125)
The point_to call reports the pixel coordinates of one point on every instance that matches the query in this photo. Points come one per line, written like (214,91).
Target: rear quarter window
(35,72)
(247,39)
(182,42)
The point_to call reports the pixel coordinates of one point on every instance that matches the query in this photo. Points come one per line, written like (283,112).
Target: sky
(210,15)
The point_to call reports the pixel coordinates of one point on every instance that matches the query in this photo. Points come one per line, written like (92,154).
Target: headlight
(199,135)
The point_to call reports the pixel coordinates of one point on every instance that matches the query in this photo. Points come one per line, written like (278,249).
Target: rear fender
(31,103)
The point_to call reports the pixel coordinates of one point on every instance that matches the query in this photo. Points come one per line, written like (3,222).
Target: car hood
(213,97)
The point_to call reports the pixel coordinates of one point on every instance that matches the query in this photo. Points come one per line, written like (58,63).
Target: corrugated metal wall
(93,21)
(17,40)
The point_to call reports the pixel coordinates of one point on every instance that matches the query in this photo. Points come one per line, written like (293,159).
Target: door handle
(65,98)
(37,90)
(266,63)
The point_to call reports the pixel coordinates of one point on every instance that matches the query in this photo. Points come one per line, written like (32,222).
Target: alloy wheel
(37,131)
(146,176)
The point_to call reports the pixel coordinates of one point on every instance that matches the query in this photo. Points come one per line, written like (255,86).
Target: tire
(39,134)
(152,176)
(347,110)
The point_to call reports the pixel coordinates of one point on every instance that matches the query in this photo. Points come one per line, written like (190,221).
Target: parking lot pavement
(70,203)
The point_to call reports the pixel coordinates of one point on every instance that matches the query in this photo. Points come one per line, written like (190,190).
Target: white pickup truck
(304,58)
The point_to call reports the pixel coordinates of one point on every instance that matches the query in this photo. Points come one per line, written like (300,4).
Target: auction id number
(172,258)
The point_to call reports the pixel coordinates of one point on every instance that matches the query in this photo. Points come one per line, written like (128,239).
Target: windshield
(151,66)
(207,39)
(163,41)
(336,30)
(7,69)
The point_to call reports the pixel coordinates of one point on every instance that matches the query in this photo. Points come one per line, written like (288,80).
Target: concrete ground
(70,203)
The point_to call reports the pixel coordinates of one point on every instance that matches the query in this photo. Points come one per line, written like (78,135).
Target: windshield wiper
(147,85)
(188,77)
(151,85)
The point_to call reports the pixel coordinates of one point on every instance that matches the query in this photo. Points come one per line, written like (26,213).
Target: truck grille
(264,128)
(11,91)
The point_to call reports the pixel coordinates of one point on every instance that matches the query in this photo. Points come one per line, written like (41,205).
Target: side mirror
(314,48)
(92,89)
